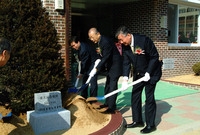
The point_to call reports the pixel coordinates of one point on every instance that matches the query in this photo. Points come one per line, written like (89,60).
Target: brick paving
(175,116)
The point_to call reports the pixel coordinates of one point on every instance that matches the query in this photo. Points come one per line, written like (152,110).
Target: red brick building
(161,20)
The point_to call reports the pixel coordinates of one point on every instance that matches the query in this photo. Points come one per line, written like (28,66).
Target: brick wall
(62,23)
(57,19)
(143,17)
(185,58)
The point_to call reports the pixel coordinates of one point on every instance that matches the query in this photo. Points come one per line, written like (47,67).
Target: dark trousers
(111,85)
(93,87)
(150,103)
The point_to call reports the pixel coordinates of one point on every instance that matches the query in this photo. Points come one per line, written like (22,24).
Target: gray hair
(4,45)
(122,30)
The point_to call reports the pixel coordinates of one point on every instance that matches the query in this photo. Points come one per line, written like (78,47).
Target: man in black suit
(112,60)
(141,52)
(87,55)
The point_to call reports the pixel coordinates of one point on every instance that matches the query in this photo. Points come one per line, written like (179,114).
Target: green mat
(164,90)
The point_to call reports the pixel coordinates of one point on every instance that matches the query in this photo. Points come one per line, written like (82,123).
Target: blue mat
(164,90)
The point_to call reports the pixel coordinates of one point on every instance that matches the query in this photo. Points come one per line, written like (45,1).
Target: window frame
(176,44)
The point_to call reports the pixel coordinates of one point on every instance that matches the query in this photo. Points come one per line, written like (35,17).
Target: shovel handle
(79,69)
(88,80)
(76,83)
(121,89)
(95,65)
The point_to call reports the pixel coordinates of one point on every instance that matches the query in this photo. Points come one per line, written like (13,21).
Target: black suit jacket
(110,57)
(87,55)
(142,63)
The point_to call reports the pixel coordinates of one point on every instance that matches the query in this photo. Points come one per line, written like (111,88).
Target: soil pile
(84,119)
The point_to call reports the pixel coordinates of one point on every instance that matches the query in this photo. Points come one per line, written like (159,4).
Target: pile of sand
(84,120)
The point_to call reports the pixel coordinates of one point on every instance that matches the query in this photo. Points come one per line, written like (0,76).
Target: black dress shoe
(148,129)
(135,124)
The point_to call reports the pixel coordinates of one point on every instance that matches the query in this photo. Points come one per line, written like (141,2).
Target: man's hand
(93,72)
(97,62)
(79,76)
(146,77)
(125,83)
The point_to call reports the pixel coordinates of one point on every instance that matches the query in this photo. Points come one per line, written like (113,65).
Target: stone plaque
(168,63)
(47,101)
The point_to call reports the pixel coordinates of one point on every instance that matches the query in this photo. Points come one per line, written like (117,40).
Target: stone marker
(47,102)
(49,115)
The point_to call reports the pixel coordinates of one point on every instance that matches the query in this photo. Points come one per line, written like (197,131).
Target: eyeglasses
(91,37)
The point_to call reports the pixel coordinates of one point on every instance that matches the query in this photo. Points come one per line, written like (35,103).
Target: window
(183,22)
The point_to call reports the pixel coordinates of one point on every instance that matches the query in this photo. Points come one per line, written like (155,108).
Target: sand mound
(84,119)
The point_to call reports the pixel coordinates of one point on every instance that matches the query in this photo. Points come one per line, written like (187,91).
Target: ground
(85,120)
(191,78)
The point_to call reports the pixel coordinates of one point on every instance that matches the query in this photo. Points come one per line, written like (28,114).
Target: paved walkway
(178,109)
(175,116)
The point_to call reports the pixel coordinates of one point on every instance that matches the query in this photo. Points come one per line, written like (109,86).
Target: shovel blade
(8,115)
(72,90)
(90,99)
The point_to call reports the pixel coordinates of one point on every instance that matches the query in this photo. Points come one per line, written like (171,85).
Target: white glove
(125,83)
(97,62)
(146,77)
(93,72)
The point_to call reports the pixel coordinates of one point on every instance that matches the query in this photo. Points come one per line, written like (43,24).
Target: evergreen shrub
(196,68)
(35,63)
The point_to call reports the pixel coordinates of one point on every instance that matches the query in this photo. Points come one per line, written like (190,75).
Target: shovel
(5,117)
(74,89)
(90,77)
(92,99)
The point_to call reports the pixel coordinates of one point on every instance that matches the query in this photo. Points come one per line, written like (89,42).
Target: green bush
(35,64)
(196,68)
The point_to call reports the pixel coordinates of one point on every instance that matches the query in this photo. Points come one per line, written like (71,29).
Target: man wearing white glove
(111,64)
(140,52)
(88,57)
